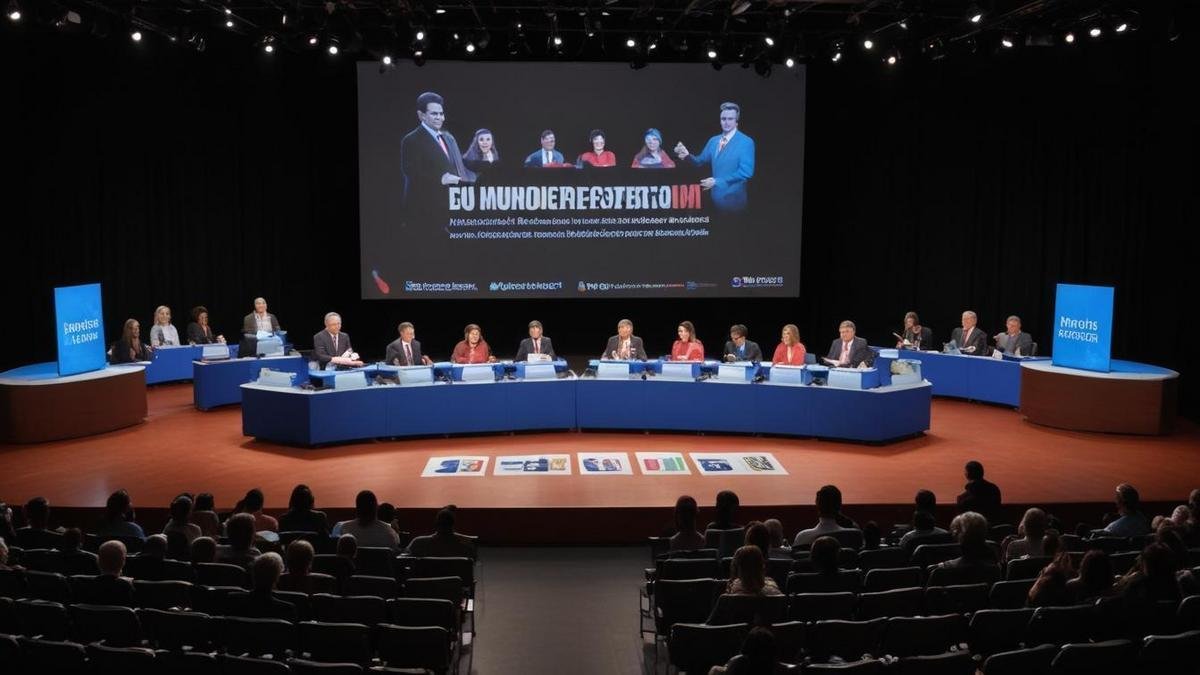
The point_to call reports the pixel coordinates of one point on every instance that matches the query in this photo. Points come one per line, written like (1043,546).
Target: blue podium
(171,364)
(218,383)
(977,378)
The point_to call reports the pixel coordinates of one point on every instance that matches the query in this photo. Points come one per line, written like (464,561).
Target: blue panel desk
(217,383)
(978,378)
(171,364)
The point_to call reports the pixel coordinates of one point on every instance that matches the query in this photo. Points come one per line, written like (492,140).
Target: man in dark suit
(406,350)
(739,348)
(979,495)
(848,351)
(536,343)
(624,345)
(429,158)
(968,337)
(547,156)
(1013,340)
(332,343)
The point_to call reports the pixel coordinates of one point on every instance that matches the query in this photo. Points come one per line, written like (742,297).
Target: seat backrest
(1061,625)
(929,539)
(415,647)
(306,667)
(423,612)
(54,656)
(891,557)
(1170,653)
(104,658)
(162,594)
(821,606)
(259,637)
(168,629)
(1032,661)
(12,584)
(948,663)
(695,648)
(1010,594)
(116,626)
(725,541)
(925,555)
(375,561)
(1188,614)
(684,601)
(899,602)
(247,665)
(43,618)
(221,574)
(362,584)
(789,639)
(42,560)
(447,588)
(888,578)
(1123,562)
(364,609)
(463,568)
(1026,568)
(848,640)
(924,635)
(334,565)
(998,630)
(50,586)
(334,642)
(848,538)
(1110,656)
(957,575)
(756,610)
(689,568)
(843,581)
(957,599)
(860,667)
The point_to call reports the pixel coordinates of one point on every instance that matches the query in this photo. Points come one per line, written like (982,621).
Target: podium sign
(79,327)
(1083,318)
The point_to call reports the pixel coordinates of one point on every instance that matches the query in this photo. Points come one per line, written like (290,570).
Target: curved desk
(37,405)
(1132,398)
(311,417)
(975,378)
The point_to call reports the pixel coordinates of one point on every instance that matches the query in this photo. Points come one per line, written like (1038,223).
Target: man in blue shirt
(1130,522)
(731,155)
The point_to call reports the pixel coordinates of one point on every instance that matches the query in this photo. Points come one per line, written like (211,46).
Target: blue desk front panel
(978,378)
(217,383)
(698,406)
(171,364)
(611,404)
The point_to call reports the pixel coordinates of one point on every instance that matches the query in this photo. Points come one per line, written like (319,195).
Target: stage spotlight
(1095,31)
(135,35)
(419,36)
(268,44)
(557,40)
(974,14)
(419,58)
(868,44)
(631,43)
(197,41)
(652,45)
(892,58)
(836,55)
(229,23)
(14,11)
(903,24)
(470,48)
(333,47)
(935,49)
(386,61)
(770,41)
(440,10)
(1069,38)
(789,62)
(1007,41)
(228,12)
(313,40)
(710,50)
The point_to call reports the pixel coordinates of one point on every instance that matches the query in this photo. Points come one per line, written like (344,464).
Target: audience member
(829,506)
(252,503)
(155,547)
(7,532)
(748,574)
(240,551)
(779,547)
(299,576)
(757,656)
(259,602)
(726,507)
(204,515)
(979,494)
(1050,589)
(366,527)
(686,537)
(1152,578)
(824,555)
(301,515)
(204,550)
(347,547)
(758,535)
(872,535)
(76,560)
(118,518)
(922,527)
(970,530)
(4,557)
(36,533)
(181,514)
(1130,521)
(926,501)
(444,542)
(1095,578)
(1031,534)
(387,516)
(109,587)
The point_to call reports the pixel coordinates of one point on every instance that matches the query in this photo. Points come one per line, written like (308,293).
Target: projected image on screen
(492,180)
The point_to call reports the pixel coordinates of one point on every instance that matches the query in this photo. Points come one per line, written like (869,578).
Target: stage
(182,449)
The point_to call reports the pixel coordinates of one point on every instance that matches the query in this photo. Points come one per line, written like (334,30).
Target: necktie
(721,145)
(547,158)
(442,142)
(845,357)
(537,347)
(407,354)
(335,345)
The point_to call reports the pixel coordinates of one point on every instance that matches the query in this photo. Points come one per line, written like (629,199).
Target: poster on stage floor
(662,464)
(737,464)
(459,465)
(533,465)
(604,464)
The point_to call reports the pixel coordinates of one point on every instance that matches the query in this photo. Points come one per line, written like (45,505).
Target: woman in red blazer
(790,351)
(472,348)
(597,156)
(687,347)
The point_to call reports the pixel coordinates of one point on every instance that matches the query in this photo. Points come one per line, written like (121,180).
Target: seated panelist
(333,346)
(969,338)
(791,351)
(163,332)
(687,347)
(1013,340)
(406,350)
(260,321)
(130,348)
(739,348)
(915,336)
(472,348)
(624,345)
(535,344)
(199,332)
(849,351)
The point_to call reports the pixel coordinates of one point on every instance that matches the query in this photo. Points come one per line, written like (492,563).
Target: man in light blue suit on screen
(731,154)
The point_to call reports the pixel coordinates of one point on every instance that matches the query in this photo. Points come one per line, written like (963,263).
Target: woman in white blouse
(162,333)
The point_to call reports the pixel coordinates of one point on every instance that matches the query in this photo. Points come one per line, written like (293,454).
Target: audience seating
(1031,661)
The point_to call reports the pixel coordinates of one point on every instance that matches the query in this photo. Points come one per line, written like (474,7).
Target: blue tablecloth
(170,364)
(306,417)
(978,378)
(217,383)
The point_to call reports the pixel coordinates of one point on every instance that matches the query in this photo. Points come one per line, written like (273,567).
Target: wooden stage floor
(181,449)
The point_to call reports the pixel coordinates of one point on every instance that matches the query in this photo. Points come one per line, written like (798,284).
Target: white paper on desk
(829,361)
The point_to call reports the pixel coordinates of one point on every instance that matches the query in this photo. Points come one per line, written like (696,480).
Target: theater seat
(1032,661)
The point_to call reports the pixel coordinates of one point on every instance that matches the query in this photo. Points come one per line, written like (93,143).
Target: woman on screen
(162,333)
(199,332)
(687,347)
(483,157)
(597,156)
(472,348)
(790,351)
(130,347)
(652,155)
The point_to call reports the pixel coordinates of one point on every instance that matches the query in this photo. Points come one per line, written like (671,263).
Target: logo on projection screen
(1083,327)
(79,328)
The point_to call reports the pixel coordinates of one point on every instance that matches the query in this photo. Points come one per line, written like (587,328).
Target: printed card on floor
(455,466)
(533,465)
(738,464)
(604,464)
(663,464)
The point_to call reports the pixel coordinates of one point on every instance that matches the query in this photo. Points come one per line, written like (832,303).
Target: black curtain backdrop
(976,182)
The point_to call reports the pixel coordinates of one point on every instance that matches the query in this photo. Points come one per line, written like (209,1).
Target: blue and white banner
(1083,318)
(79,329)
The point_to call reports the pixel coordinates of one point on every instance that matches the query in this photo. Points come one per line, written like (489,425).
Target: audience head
(685,514)
(775,529)
(1096,572)
(1172,538)
(177,545)
(1127,499)
(37,513)
(1181,516)
(155,546)
(181,509)
(1051,543)
(825,555)
(72,539)
(253,501)
(970,530)
(1033,524)
(750,567)
(758,653)
(829,501)
(922,521)
(366,507)
(347,546)
(726,507)
(443,522)
(204,550)
(118,507)
(387,512)
(1194,504)
(974,470)
(300,557)
(204,502)
(302,499)
(111,558)
(1157,566)
(265,571)
(3,552)
(872,535)
(240,529)
(1050,588)
(926,501)
(758,535)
